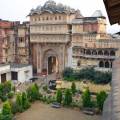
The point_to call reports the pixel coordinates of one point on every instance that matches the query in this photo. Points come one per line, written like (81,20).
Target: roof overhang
(113,10)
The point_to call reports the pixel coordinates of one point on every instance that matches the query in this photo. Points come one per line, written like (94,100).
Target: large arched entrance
(52,65)
(50,62)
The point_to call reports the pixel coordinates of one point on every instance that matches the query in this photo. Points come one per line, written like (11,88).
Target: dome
(97,13)
(51,7)
(50,3)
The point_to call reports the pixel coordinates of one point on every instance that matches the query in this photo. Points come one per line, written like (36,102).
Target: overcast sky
(19,9)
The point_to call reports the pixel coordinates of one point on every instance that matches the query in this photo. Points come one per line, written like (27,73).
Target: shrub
(33,93)
(4,98)
(6,111)
(86,99)
(59,96)
(73,88)
(68,72)
(1,116)
(45,88)
(5,90)
(7,87)
(10,94)
(101,97)
(19,102)
(67,97)
(14,107)
(25,102)
(90,73)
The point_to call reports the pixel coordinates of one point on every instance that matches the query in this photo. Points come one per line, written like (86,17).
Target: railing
(95,56)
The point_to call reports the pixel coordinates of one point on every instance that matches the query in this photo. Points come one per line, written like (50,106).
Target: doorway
(52,64)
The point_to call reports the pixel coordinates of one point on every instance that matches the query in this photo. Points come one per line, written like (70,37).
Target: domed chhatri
(51,7)
(97,13)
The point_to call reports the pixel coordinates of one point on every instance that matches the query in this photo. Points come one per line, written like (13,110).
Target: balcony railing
(95,56)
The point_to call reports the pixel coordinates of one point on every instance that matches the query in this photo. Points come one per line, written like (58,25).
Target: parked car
(56,105)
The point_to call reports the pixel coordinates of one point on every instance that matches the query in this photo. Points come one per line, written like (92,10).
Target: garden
(66,97)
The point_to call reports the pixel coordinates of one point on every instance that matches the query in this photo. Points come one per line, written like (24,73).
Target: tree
(59,96)
(25,102)
(67,97)
(6,111)
(86,98)
(101,97)
(19,103)
(73,88)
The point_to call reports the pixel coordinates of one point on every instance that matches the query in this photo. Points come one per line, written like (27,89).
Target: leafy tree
(59,96)
(67,97)
(86,98)
(19,103)
(101,97)
(25,102)
(6,111)
(73,88)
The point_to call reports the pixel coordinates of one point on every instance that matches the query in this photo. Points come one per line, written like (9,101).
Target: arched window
(94,52)
(88,52)
(101,64)
(106,53)
(112,53)
(100,52)
(107,65)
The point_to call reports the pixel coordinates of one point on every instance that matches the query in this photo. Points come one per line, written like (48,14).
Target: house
(15,72)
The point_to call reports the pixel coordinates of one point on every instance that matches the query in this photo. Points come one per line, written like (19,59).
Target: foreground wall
(111,109)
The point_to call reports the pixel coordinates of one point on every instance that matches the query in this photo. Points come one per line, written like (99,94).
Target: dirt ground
(40,111)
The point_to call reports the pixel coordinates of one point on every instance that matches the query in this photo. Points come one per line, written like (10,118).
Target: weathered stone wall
(111,109)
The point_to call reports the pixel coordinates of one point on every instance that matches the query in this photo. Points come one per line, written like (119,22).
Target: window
(14,75)
(47,18)
(78,64)
(55,17)
(59,17)
(101,64)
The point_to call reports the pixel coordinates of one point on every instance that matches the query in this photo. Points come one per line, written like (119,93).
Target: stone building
(14,42)
(5,33)
(21,32)
(61,37)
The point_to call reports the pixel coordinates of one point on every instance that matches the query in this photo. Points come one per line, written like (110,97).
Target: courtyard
(40,111)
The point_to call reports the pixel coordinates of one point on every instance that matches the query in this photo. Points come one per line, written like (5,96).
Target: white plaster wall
(22,75)
(8,76)
(4,68)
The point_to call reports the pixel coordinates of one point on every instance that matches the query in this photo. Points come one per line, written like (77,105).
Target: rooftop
(14,65)
(51,7)
(97,13)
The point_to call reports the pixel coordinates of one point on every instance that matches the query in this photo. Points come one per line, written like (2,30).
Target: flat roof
(14,65)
